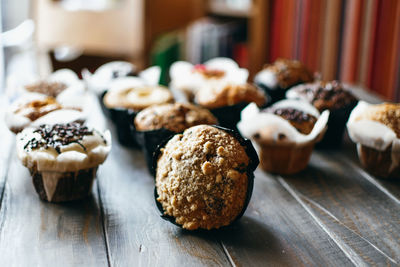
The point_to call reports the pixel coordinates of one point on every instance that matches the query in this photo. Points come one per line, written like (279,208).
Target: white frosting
(124,83)
(253,120)
(267,78)
(60,116)
(183,76)
(72,157)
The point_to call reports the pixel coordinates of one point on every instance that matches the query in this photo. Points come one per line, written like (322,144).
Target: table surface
(331,214)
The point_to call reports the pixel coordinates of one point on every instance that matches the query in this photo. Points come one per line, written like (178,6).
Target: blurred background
(355,41)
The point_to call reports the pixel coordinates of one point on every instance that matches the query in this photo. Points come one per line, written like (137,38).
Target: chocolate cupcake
(123,103)
(276,78)
(204,177)
(332,96)
(187,79)
(63,159)
(32,110)
(156,123)
(284,134)
(226,101)
(376,131)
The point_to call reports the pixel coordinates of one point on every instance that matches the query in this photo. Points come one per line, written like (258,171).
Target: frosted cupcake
(376,131)
(63,159)
(187,79)
(284,134)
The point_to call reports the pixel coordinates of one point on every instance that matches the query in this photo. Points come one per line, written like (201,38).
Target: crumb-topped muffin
(285,134)
(202,178)
(62,158)
(278,77)
(36,109)
(376,130)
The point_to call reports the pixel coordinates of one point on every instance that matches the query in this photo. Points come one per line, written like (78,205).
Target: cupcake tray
(331,214)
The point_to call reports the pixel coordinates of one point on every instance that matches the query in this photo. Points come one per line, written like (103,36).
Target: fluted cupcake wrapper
(254,161)
(229,116)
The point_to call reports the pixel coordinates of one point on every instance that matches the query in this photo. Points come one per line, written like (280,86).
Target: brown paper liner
(378,162)
(69,186)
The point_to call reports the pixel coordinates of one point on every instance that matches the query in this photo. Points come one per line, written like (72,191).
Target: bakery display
(332,96)
(63,158)
(125,99)
(226,100)
(376,131)
(158,122)
(276,78)
(187,79)
(284,134)
(204,177)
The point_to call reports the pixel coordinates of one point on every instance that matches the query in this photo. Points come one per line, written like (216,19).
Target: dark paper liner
(229,116)
(275,94)
(253,163)
(105,110)
(336,125)
(72,186)
(149,141)
(378,163)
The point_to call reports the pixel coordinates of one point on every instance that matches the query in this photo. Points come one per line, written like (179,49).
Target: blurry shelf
(223,9)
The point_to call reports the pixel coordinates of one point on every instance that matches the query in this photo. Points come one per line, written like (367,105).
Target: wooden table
(331,214)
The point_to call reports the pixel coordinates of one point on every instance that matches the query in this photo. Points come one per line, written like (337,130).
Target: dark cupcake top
(324,95)
(47,87)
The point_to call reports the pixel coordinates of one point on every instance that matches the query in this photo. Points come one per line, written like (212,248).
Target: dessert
(284,134)
(204,177)
(278,77)
(376,131)
(332,96)
(187,79)
(32,110)
(63,158)
(156,123)
(226,101)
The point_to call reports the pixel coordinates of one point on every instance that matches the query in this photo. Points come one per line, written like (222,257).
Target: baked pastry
(204,177)
(278,77)
(63,158)
(187,79)
(376,131)
(284,134)
(226,101)
(156,123)
(125,99)
(32,110)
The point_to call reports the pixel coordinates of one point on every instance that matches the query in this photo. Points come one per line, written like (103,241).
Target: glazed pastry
(156,123)
(376,130)
(204,177)
(332,96)
(31,110)
(284,134)
(278,77)
(188,79)
(226,101)
(63,159)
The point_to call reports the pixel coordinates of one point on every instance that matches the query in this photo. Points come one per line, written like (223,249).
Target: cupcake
(63,159)
(226,101)
(124,100)
(284,134)
(278,77)
(187,79)
(158,122)
(376,130)
(332,96)
(204,177)
(32,110)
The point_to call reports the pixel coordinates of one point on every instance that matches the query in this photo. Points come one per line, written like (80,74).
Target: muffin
(376,131)
(63,159)
(276,78)
(187,79)
(226,101)
(204,177)
(156,123)
(332,96)
(124,101)
(284,134)
(32,110)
